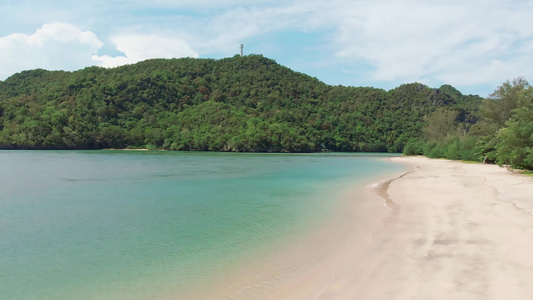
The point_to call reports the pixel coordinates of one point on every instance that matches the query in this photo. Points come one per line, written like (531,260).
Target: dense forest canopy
(246,103)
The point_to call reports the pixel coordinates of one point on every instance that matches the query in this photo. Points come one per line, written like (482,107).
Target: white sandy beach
(458,231)
(450,230)
(463,231)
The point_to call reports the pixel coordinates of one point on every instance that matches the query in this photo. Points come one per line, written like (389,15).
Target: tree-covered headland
(246,103)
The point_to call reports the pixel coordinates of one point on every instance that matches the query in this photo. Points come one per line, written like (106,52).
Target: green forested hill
(246,103)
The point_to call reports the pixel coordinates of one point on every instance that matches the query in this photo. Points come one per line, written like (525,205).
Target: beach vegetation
(515,139)
(527,173)
(499,131)
(413,147)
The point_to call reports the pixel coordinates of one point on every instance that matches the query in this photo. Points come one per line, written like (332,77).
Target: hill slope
(236,104)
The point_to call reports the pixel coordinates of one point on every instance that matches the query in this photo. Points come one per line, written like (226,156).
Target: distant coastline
(129,149)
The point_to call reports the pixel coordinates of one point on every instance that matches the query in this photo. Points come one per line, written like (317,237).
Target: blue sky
(473,45)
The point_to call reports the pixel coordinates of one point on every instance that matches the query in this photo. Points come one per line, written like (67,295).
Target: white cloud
(62,46)
(195,4)
(137,47)
(464,43)
(221,32)
(53,46)
(458,42)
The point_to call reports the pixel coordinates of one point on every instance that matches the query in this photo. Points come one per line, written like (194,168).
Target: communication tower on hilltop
(242,50)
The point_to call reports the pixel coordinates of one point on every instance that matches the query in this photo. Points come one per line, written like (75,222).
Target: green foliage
(515,141)
(527,173)
(236,104)
(413,147)
(501,131)
(498,107)
(441,123)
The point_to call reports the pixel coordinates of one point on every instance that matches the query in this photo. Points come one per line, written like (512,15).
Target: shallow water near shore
(135,225)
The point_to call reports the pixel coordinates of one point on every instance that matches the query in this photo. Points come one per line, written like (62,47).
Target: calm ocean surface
(137,224)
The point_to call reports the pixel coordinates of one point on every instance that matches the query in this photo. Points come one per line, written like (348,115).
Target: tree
(496,143)
(496,110)
(515,141)
(440,124)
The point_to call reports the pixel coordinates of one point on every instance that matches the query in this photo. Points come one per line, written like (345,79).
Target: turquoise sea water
(136,224)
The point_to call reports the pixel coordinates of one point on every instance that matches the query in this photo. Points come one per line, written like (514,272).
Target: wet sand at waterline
(441,230)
